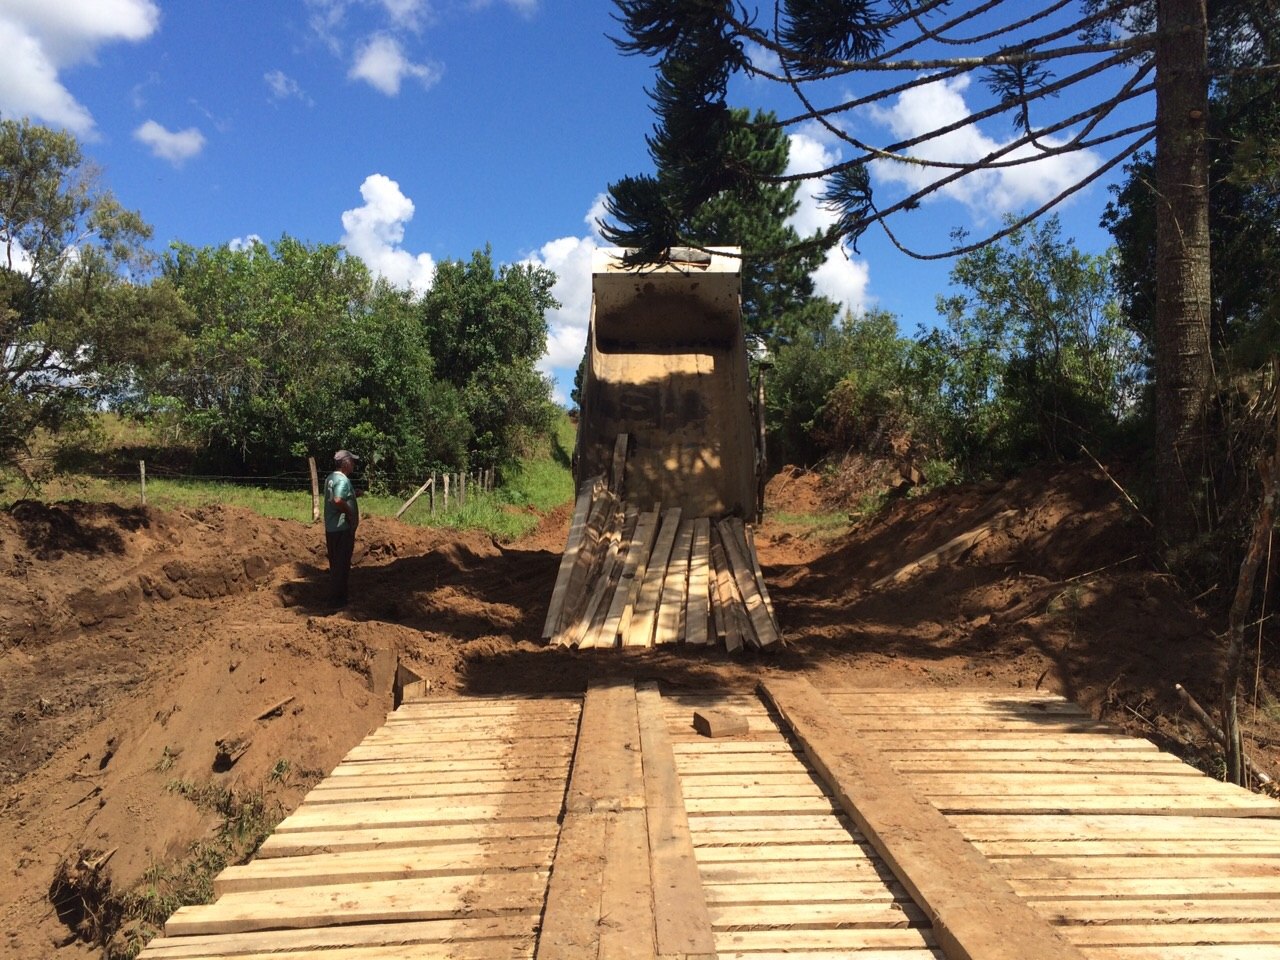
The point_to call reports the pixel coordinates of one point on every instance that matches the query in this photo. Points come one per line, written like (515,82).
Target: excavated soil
(142,650)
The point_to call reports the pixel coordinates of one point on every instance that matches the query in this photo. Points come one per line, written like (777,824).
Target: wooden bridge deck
(859,823)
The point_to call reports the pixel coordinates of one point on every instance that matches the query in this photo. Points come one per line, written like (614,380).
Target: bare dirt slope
(132,641)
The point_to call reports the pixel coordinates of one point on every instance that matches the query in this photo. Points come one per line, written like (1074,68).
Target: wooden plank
(458,859)
(445,709)
(1241,850)
(975,914)
(585,568)
(408,813)
(1194,951)
(492,750)
(859,891)
(719,598)
(793,854)
(606,786)
(624,597)
(920,954)
(675,588)
(737,623)
(761,622)
(290,844)
(864,869)
(1130,866)
(1148,934)
(444,771)
(626,905)
(848,915)
(759,791)
(507,949)
(680,916)
(1155,804)
(972,726)
(1116,827)
(994,704)
(775,806)
(601,633)
(1066,784)
(753,555)
(645,617)
(856,943)
(601,554)
(617,472)
(1155,910)
(536,736)
(582,634)
(731,837)
(387,900)
(778,826)
(698,608)
(607,769)
(1164,767)
(571,919)
(1148,888)
(951,550)
(576,531)
(284,943)
(517,790)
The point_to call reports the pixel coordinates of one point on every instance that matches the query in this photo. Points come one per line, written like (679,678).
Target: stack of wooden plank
(640,578)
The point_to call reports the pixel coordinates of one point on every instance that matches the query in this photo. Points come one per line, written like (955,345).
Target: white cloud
(406,13)
(175,146)
(381,63)
(987,194)
(375,231)
(570,259)
(765,59)
(843,280)
(40,38)
(839,278)
(244,243)
(597,215)
(284,87)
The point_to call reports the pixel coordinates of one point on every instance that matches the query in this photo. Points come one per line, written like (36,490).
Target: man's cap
(344,455)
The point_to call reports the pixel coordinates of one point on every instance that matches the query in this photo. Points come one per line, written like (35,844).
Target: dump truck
(666,364)
(669,464)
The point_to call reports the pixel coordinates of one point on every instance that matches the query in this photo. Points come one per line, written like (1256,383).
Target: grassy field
(542,483)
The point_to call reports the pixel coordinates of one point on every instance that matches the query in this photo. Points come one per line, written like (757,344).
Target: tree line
(260,354)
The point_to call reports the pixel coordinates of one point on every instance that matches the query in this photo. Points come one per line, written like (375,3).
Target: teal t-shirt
(338,487)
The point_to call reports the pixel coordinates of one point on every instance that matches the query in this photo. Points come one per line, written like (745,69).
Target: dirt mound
(163,671)
(1045,581)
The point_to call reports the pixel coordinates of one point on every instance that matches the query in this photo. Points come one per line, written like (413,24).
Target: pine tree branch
(1012,226)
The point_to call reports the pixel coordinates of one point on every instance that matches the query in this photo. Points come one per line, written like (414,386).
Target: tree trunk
(1182,358)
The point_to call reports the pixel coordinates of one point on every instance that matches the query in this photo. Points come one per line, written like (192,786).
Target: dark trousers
(340,546)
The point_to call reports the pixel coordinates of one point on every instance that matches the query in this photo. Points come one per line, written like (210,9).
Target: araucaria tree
(778,300)
(1076,77)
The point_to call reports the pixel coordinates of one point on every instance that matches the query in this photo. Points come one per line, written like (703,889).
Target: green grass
(822,524)
(542,482)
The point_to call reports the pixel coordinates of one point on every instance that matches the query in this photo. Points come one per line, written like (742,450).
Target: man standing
(341,517)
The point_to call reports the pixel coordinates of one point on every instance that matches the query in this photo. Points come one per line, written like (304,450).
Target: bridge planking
(441,836)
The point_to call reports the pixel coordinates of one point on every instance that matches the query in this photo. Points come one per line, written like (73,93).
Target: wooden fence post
(409,503)
(432,494)
(142,479)
(446,493)
(315,489)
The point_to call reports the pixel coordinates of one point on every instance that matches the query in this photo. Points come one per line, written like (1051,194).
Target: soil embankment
(149,658)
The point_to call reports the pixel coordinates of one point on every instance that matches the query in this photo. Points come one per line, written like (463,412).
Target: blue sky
(413,131)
